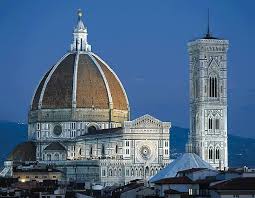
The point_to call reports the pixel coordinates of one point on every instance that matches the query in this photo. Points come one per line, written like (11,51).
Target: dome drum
(66,115)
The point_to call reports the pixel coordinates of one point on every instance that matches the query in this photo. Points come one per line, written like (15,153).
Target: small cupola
(80,36)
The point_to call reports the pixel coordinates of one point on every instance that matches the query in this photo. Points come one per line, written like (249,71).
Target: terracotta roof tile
(25,151)
(55,146)
(191,170)
(240,183)
(93,76)
(175,180)
(170,191)
(118,96)
(58,92)
(37,95)
(91,89)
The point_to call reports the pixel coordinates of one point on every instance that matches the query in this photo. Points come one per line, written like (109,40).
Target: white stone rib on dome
(184,162)
(49,77)
(122,87)
(105,80)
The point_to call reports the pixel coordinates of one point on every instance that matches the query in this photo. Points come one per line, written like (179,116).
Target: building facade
(79,121)
(208,99)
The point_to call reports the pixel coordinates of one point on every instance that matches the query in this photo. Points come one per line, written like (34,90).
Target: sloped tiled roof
(25,151)
(192,170)
(171,191)
(55,146)
(105,131)
(240,183)
(184,162)
(175,180)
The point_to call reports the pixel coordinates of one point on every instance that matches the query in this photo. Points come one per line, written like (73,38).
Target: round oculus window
(57,130)
(145,152)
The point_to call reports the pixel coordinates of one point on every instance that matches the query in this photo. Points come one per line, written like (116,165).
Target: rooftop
(175,180)
(171,191)
(55,146)
(185,162)
(240,183)
(192,170)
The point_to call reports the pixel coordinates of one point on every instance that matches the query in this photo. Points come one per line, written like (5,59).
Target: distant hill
(240,149)
(11,134)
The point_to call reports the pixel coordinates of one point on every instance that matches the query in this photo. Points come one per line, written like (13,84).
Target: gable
(146,121)
(213,66)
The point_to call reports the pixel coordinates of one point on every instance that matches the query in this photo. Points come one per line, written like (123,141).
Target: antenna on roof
(208,24)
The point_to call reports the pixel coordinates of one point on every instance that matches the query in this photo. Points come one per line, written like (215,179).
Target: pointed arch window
(213,87)
(210,123)
(120,172)
(116,149)
(197,88)
(147,171)
(217,124)
(217,153)
(49,157)
(210,153)
(132,172)
(103,149)
(110,172)
(136,172)
(56,156)
(152,172)
(76,44)
(91,151)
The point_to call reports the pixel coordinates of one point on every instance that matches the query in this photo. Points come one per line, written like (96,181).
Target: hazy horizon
(144,42)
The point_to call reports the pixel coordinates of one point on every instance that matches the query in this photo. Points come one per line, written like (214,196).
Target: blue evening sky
(144,41)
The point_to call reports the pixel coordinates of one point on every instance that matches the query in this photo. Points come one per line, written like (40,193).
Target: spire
(208,34)
(80,35)
(208,24)
(79,14)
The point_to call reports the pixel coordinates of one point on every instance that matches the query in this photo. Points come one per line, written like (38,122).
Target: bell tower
(208,99)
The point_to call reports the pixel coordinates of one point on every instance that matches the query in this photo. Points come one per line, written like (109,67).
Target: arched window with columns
(103,150)
(49,157)
(152,172)
(120,172)
(147,170)
(213,87)
(132,172)
(217,153)
(91,151)
(210,153)
(141,172)
(136,172)
(210,123)
(110,172)
(56,156)
(116,149)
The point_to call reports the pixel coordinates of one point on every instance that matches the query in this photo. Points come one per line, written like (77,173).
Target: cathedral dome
(80,86)
(25,151)
(80,80)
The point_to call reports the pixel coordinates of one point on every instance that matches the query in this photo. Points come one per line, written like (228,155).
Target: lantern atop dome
(80,35)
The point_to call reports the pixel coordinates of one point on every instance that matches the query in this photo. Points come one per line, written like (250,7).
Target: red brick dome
(80,80)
